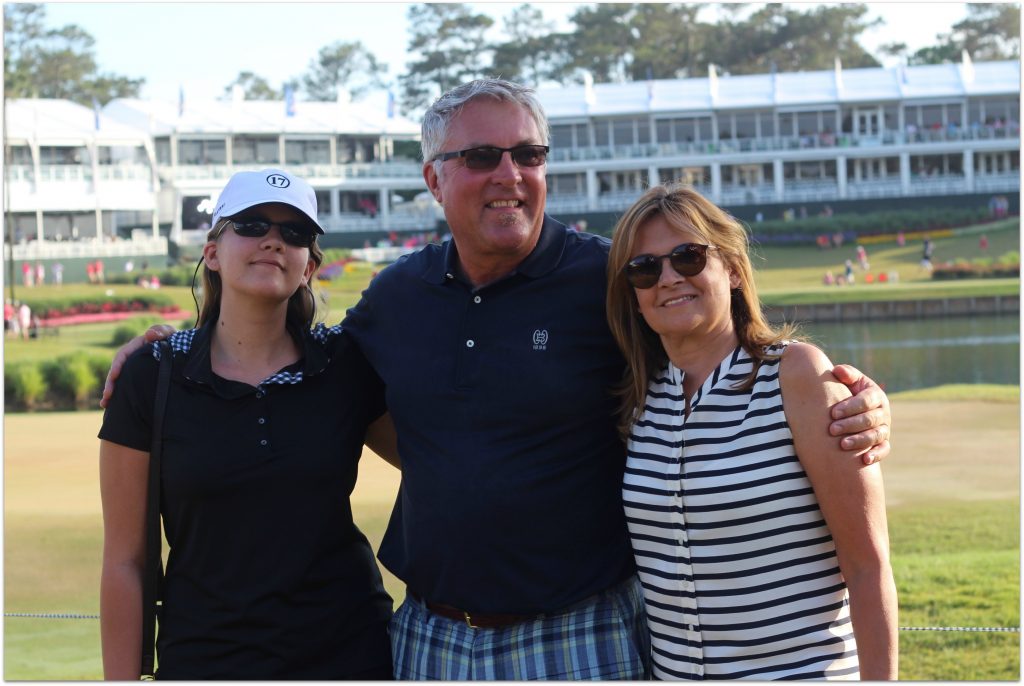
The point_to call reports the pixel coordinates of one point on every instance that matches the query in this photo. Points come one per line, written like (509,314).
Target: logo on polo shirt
(540,339)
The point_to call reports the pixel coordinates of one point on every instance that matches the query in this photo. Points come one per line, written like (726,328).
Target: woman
(267,575)
(763,554)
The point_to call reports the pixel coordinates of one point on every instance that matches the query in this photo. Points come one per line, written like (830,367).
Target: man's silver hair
(438,118)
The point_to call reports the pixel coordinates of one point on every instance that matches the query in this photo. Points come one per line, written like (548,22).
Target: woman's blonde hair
(686,210)
(301,305)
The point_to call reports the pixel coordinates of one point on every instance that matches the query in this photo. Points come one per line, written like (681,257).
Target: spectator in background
(27,274)
(40,274)
(862,258)
(927,253)
(58,273)
(90,272)
(99,272)
(848,274)
(983,242)
(24,319)
(9,321)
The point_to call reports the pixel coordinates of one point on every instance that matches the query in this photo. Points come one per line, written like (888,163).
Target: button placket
(261,419)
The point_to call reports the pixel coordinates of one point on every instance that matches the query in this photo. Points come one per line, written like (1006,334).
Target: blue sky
(202,46)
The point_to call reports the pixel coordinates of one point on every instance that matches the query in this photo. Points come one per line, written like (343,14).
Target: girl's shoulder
(327,336)
(179,341)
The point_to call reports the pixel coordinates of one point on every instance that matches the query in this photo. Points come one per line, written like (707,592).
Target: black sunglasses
(293,233)
(488,157)
(688,259)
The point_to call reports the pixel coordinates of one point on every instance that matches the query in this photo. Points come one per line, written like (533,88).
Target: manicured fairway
(952,487)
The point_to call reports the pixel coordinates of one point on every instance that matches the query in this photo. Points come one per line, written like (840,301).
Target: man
(497,361)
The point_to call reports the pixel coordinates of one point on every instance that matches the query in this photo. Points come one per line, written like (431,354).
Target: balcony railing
(818,190)
(310,172)
(1007,182)
(783,143)
(87,247)
(396,222)
(78,172)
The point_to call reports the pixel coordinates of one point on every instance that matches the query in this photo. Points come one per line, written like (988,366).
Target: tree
(669,40)
(991,31)
(449,39)
(603,41)
(55,63)
(529,55)
(253,87)
(343,65)
(790,40)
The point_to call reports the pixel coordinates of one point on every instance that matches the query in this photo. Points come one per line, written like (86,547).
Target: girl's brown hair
(684,209)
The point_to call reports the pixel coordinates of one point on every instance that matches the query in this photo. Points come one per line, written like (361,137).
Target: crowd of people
(35,275)
(19,320)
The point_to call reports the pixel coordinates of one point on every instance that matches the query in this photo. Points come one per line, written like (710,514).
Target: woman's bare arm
(852,501)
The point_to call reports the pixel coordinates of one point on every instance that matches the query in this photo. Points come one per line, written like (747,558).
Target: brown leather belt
(474,620)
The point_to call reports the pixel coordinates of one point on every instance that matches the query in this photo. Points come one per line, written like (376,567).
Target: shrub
(132,327)
(854,226)
(24,385)
(72,380)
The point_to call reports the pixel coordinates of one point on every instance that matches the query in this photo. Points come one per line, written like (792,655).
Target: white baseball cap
(246,189)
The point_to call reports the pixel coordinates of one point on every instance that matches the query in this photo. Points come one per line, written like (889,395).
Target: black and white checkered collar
(194,346)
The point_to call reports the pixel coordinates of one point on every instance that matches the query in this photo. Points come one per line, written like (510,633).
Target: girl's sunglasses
(295,234)
(688,259)
(488,158)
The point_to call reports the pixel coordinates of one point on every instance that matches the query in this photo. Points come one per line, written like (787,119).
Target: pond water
(919,353)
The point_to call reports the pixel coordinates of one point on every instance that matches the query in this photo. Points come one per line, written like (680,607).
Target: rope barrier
(44,615)
(1008,629)
(993,629)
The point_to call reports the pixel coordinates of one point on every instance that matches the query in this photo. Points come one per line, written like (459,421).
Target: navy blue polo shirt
(268,576)
(511,465)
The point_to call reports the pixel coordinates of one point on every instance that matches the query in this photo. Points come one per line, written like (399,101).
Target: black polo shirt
(267,576)
(511,465)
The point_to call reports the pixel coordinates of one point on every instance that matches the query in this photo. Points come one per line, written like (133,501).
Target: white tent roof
(792,89)
(62,122)
(259,116)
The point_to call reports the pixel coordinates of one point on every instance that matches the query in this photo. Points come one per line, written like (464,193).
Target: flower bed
(63,308)
(1006,267)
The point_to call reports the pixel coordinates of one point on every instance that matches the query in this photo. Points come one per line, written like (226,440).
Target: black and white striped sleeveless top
(739,571)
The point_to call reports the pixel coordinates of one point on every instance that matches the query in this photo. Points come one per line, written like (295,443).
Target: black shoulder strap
(153,572)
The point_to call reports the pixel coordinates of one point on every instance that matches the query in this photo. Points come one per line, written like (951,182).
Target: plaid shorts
(604,637)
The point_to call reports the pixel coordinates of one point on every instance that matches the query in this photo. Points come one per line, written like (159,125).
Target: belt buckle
(469,621)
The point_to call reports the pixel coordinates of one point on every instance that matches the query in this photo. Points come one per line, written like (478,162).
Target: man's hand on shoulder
(157,332)
(864,421)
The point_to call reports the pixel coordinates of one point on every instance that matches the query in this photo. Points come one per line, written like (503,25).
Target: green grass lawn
(952,495)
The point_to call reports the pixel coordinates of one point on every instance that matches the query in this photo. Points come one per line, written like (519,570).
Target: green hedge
(853,226)
(180,275)
(133,327)
(69,382)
